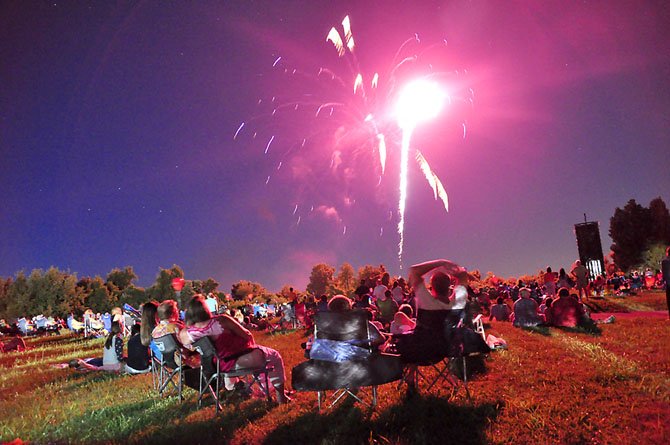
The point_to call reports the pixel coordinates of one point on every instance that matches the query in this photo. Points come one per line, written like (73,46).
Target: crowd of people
(436,294)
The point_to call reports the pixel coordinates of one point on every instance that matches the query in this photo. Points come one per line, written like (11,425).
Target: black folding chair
(447,344)
(211,374)
(170,366)
(351,377)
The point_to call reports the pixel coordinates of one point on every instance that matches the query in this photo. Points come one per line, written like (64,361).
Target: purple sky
(117,123)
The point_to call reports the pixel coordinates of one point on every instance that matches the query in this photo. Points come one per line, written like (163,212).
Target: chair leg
(465,378)
(267,387)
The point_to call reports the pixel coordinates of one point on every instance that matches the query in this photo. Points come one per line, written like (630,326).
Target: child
(112,353)
(138,355)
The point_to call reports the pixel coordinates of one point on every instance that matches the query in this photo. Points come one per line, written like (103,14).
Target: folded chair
(170,368)
(211,374)
(346,377)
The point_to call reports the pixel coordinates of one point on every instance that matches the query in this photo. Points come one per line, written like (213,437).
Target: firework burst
(358,115)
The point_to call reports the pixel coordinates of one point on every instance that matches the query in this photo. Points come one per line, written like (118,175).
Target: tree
(98,297)
(121,279)
(243,290)
(346,280)
(321,279)
(209,285)
(4,297)
(660,222)
(652,257)
(630,229)
(162,288)
(18,298)
(369,273)
(134,296)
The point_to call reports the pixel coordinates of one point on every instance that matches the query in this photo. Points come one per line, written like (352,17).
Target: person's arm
(417,271)
(236,328)
(118,348)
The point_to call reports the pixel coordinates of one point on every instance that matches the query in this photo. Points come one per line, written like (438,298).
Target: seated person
(500,311)
(526,310)
(234,344)
(340,351)
(402,324)
(13,344)
(322,304)
(387,308)
(349,363)
(138,361)
(566,311)
(169,323)
(112,355)
(434,307)
(147,326)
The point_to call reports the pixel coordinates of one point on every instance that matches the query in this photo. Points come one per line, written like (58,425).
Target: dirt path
(632,314)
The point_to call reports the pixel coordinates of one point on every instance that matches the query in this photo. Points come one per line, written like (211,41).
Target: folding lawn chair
(358,377)
(170,368)
(211,374)
(451,344)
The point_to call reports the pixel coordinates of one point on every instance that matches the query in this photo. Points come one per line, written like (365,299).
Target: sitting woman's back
(500,311)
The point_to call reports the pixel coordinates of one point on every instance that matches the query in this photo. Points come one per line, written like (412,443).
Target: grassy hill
(549,386)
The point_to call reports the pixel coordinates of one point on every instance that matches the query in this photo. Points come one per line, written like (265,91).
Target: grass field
(549,386)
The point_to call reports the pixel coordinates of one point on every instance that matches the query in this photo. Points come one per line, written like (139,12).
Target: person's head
(339,303)
(578,263)
(386,278)
(323,298)
(406,309)
(440,282)
(500,300)
(149,318)
(387,294)
(561,272)
(524,292)
(135,329)
(402,318)
(168,311)
(117,311)
(563,292)
(197,310)
(114,331)
(548,269)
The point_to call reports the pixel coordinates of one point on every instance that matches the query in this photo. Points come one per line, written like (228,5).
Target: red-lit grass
(550,386)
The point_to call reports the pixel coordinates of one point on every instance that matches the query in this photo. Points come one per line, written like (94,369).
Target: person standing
(665,268)
(550,282)
(581,274)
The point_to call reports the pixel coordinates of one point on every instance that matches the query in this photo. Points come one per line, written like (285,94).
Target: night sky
(117,122)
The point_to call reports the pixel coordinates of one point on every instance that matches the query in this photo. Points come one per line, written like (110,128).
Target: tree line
(640,235)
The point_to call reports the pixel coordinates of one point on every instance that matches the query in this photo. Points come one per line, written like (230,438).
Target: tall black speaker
(589,247)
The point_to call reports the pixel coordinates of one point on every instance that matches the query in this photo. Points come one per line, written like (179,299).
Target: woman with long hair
(112,354)
(234,344)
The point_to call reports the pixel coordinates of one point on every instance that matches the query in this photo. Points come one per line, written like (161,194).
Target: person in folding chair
(235,345)
(169,324)
(439,309)
(344,356)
